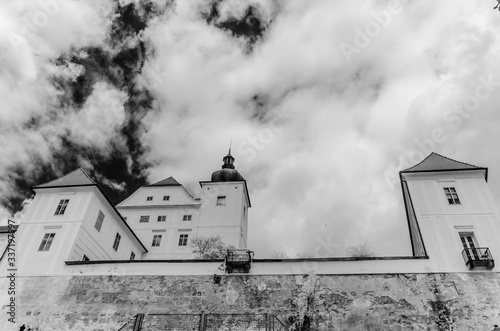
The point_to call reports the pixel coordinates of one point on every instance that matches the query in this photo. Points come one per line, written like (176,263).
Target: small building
(70,219)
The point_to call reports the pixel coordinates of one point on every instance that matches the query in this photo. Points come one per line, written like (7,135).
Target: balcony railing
(479,256)
(239,259)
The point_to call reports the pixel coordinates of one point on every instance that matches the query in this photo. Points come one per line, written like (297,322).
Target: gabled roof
(170,181)
(74,178)
(437,162)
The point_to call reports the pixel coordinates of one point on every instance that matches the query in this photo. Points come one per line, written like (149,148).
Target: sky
(323,102)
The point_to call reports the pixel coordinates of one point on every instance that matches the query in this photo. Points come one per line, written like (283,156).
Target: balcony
(478,257)
(239,259)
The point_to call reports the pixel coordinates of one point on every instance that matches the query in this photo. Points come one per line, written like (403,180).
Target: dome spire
(228,160)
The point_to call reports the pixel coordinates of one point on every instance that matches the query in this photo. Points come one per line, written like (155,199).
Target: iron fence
(204,322)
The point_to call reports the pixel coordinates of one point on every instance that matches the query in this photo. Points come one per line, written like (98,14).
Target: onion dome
(227,173)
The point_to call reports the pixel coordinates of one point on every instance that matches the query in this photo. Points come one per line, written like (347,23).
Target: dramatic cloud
(324,101)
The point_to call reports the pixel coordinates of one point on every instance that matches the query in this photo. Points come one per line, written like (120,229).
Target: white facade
(60,225)
(160,221)
(166,217)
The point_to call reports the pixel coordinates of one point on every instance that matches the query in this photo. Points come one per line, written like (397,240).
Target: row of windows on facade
(165,198)
(183,240)
(161,218)
(221,200)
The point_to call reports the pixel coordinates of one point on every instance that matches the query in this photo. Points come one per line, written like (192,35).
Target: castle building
(83,263)
(71,219)
(166,216)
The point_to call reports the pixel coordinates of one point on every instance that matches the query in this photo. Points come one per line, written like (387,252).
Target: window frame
(99,221)
(61,207)
(47,240)
(156,240)
(221,200)
(187,217)
(144,219)
(132,256)
(451,195)
(161,218)
(149,198)
(116,243)
(183,240)
(166,198)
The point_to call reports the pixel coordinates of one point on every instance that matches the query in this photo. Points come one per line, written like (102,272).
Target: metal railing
(205,322)
(478,256)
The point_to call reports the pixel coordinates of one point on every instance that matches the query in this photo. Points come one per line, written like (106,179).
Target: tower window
(162,218)
(451,195)
(132,256)
(149,199)
(117,242)
(166,198)
(144,219)
(156,240)
(186,217)
(98,222)
(221,200)
(61,208)
(46,241)
(183,239)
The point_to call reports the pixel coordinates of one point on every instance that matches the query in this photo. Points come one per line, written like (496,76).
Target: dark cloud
(251,25)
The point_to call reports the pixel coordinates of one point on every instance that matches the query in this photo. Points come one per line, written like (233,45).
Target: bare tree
(209,247)
(360,251)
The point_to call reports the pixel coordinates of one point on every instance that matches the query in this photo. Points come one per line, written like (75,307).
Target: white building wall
(229,220)
(179,204)
(99,244)
(441,223)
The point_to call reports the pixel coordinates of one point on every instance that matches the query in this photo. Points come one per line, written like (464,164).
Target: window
(183,239)
(221,200)
(451,195)
(132,256)
(162,218)
(98,222)
(46,241)
(85,258)
(149,199)
(61,207)
(469,242)
(117,242)
(144,219)
(156,240)
(186,218)
(166,198)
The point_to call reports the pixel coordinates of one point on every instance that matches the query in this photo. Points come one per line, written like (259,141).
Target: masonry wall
(455,301)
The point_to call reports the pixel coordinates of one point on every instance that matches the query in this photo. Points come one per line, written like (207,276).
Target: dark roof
(226,175)
(437,162)
(170,181)
(77,177)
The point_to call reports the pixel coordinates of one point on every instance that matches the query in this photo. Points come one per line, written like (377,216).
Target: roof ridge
(437,162)
(86,175)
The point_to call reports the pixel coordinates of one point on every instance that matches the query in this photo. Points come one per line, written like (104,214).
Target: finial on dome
(228,160)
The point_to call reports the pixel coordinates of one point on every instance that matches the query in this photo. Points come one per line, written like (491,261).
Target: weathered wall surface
(463,301)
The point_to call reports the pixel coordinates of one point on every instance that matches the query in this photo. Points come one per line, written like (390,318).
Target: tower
(451,214)
(224,205)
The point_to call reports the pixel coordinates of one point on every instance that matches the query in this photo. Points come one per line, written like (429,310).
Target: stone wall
(459,301)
